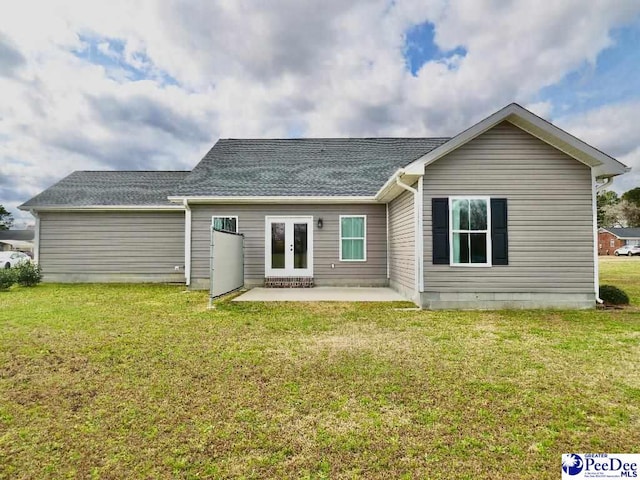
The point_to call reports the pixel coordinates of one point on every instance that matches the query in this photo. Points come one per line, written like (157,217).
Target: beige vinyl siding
(402,270)
(251,223)
(549,214)
(112,246)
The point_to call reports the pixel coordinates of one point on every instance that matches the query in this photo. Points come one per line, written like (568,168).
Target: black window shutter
(499,235)
(440,228)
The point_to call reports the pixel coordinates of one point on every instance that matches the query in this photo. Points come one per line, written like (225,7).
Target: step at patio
(288,282)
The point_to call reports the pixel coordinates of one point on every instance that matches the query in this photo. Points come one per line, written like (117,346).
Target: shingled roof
(249,168)
(20,235)
(625,232)
(301,167)
(85,188)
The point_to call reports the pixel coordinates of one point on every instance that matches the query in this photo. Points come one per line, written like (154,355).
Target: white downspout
(594,205)
(36,237)
(187,242)
(417,229)
(420,233)
(388,246)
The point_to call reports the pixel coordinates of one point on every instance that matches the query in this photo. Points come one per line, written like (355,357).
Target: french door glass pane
(277,245)
(299,245)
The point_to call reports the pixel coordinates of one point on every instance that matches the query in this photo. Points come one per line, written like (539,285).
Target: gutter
(104,208)
(274,199)
(418,227)
(187,242)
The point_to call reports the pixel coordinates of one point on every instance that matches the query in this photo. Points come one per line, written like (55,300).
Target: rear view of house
(501,215)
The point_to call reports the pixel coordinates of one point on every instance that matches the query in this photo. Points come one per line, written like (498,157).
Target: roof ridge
(131,171)
(334,138)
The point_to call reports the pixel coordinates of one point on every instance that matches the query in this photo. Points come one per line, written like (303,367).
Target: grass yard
(112,381)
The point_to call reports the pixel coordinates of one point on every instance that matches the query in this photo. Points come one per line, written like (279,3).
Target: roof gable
(603,165)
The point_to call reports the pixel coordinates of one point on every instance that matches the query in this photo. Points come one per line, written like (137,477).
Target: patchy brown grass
(112,381)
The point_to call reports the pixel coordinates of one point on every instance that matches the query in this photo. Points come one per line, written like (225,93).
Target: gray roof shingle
(252,167)
(20,235)
(302,167)
(625,232)
(86,188)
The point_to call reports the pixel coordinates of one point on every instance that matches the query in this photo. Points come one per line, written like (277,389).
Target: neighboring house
(20,240)
(501,215)
(610,239)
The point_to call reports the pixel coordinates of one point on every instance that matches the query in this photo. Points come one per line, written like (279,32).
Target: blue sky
(614,78)
(153,84)
(420,47)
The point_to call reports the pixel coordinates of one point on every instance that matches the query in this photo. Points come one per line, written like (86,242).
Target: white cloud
(248,68)
(615,130)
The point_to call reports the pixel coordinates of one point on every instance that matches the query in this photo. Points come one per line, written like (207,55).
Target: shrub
(613,295)
(7,278)
(28,274)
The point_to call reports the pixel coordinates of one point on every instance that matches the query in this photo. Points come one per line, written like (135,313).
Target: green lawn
(111,381)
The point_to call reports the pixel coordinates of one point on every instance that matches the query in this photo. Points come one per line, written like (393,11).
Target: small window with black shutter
(470,231)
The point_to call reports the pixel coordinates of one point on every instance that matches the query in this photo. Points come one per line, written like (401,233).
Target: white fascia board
(603,164)
(111,208)
(391,189)
(272,199)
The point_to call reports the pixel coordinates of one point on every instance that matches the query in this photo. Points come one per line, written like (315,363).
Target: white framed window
(470,231)
(353,238)
(612,243)
(225,223)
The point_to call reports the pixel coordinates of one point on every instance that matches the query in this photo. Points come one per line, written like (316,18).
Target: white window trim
(487,231)
(340,238)
(227,216)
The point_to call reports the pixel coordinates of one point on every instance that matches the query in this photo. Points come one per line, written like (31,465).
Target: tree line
(619,211)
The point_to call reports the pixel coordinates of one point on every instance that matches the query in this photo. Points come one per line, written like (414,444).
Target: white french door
(288,247)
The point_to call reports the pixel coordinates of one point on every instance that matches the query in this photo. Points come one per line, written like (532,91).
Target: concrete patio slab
(321,294)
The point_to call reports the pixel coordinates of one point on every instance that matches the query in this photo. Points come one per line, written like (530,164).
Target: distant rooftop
(624,232)
(21,235)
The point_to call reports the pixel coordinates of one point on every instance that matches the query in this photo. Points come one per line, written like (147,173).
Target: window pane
(460,214)
(478,248)
(277,245)
(352,249)
(347,228)
(228,224)
(478,215)
(460,248)
(299,245)
(347,249)
(357,227)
